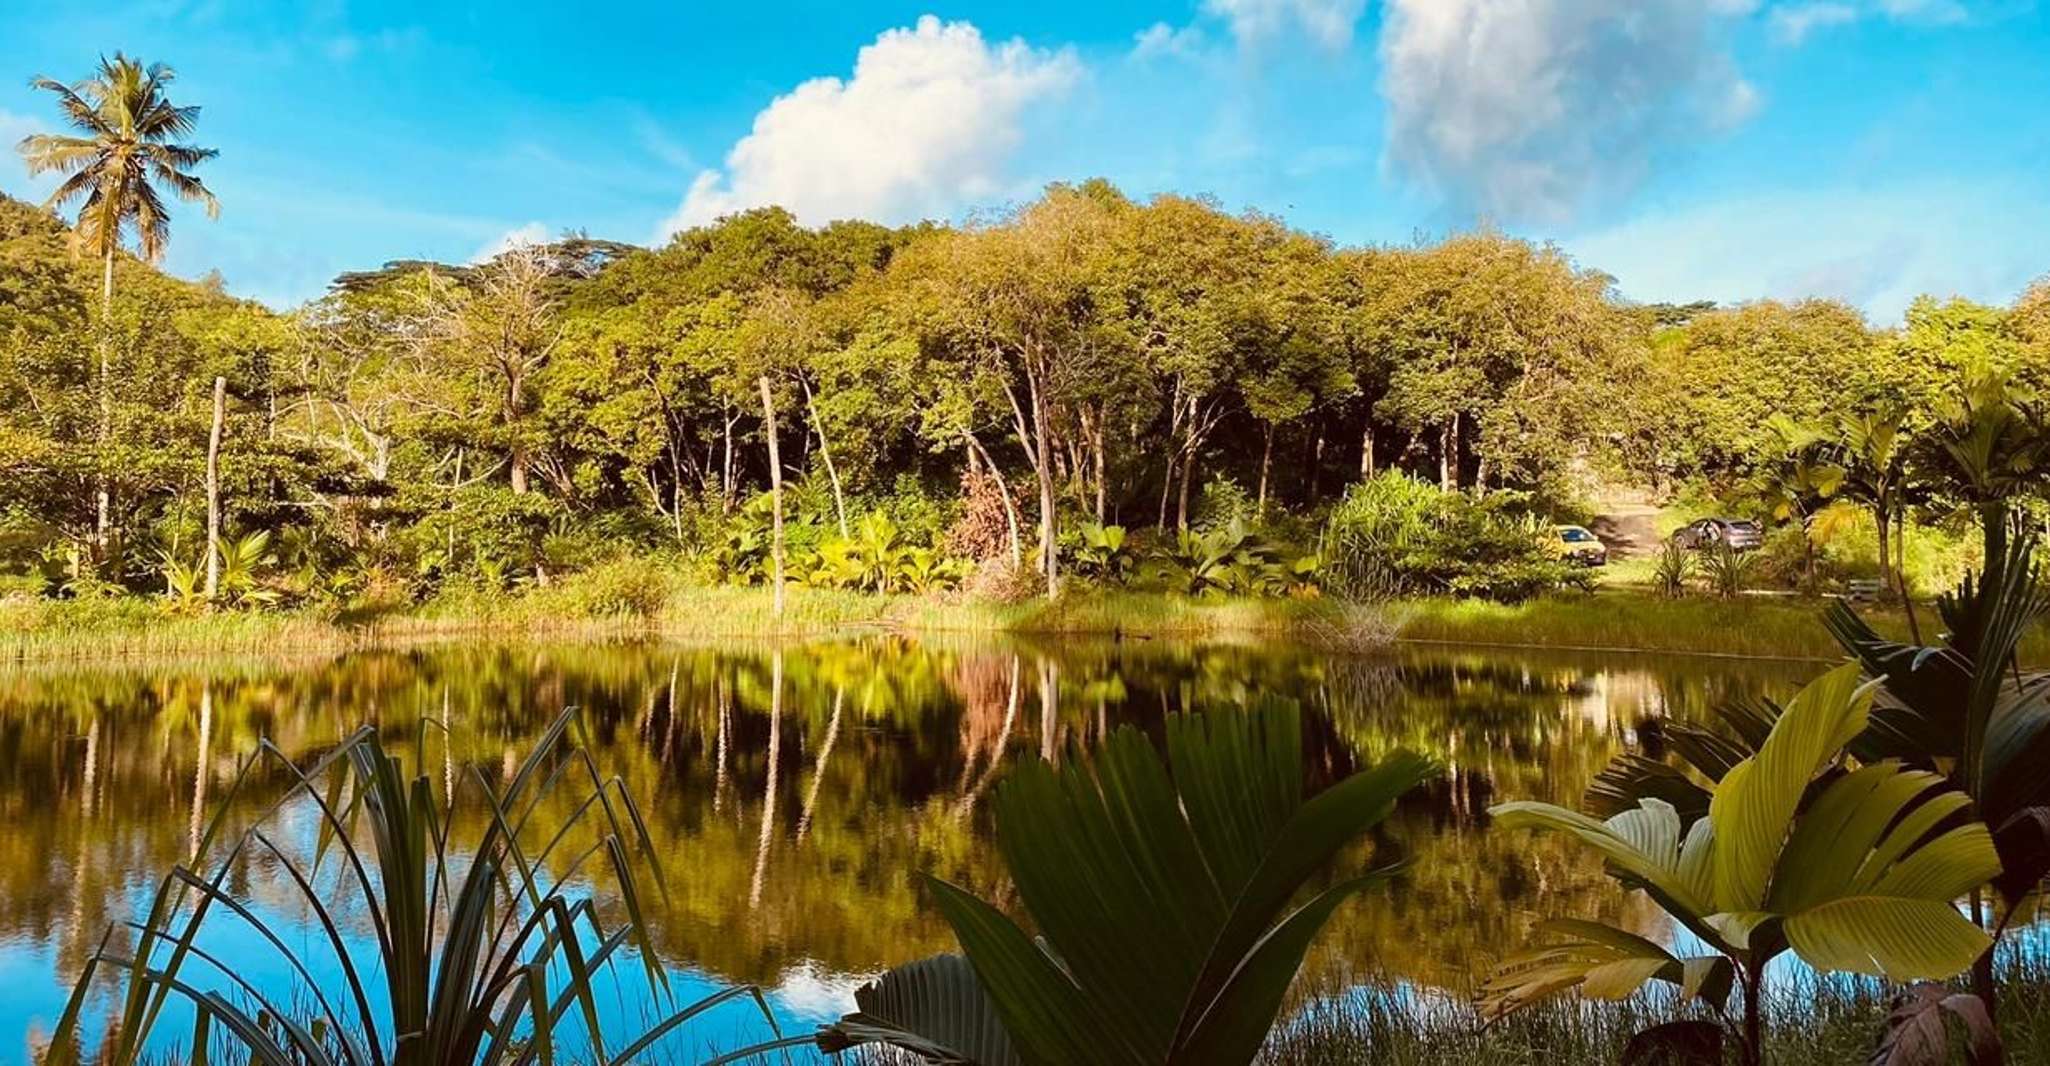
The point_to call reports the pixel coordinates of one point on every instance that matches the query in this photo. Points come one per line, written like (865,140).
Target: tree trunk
(826,453)
(726,469)
(1753,1051)
(1316,468)
(213,489)
(754,890)
(1367,450)
(1900,567)
(517,456)
(818,776)
(1049,710)
(775,492)
(1884,527)
(1983,984)
(204,756)
(1266,462)
(1181,511)
(1448,454)
(103,494)
(1166,488)
(1102,466)
(1049,554)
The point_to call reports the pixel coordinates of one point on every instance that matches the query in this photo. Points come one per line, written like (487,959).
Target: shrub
(1232,561)
(1729,571)
(1000,581)
(1104,553)
(630,587)
(982,528)
(1394,535)
(1223,504)
(1669,572)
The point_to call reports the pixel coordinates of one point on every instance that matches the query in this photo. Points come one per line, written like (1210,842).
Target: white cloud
(926,124)
(18,184)
(517,237)
(1792,23)
(1328,23)
(1937,11)
(1876,247)
(1535,110)
(1161,39)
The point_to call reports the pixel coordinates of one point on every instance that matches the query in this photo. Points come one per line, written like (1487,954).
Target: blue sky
(1721,149)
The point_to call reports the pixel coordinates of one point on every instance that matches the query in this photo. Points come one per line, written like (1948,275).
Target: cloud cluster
(1791,23)
(1162,39)
(927,123)
(13,128)
(1327,23)
(1877,246)
(1537,110)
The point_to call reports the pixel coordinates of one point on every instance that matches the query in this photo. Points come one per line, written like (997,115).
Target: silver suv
(1741,534)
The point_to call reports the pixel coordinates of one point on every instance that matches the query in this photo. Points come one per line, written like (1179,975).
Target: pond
(792,843)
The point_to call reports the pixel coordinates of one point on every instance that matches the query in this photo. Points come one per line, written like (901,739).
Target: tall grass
(488,949)
(613,606)
(1757,627)
(1810,1021)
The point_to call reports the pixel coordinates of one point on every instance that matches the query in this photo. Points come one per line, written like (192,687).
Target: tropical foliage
(1162,893)
(485,950)
(1853,866)
(1396,535)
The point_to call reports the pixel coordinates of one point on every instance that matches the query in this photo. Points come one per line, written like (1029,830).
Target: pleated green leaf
(1599,960)
(1754,805)
(1161,893)
(934,1008)
(1898,939)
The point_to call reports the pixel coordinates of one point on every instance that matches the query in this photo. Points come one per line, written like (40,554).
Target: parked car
(1741,534)
(1581,546)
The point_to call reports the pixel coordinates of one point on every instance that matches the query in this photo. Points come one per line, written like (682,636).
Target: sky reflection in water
(792,843)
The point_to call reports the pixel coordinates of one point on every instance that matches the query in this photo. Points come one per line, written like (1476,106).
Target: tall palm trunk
(213,489)
(103,492)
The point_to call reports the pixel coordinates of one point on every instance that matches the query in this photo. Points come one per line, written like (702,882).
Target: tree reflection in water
(795,792)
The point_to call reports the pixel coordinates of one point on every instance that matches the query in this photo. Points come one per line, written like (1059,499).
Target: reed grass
(1611,620)
(1810,1021)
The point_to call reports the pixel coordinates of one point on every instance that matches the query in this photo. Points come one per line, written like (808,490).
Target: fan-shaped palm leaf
(1162,892)
(1854,871)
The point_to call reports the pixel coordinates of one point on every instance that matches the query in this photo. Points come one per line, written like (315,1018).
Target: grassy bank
(598,610)
(1810,1021)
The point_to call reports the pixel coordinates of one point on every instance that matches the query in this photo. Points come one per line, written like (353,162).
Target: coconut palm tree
(128,143)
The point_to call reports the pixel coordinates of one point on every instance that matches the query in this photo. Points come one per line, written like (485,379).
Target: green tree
(128,142)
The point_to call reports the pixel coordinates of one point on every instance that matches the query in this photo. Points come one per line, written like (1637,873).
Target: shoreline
(1612,622)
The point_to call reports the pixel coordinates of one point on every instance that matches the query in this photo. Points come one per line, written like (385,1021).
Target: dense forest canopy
(1085,355)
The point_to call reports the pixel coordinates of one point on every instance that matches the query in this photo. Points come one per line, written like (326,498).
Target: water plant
(488,950)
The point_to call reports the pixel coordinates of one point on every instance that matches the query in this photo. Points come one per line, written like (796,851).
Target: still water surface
(792,842)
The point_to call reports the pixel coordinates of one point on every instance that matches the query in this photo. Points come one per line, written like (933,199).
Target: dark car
(1741,534)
